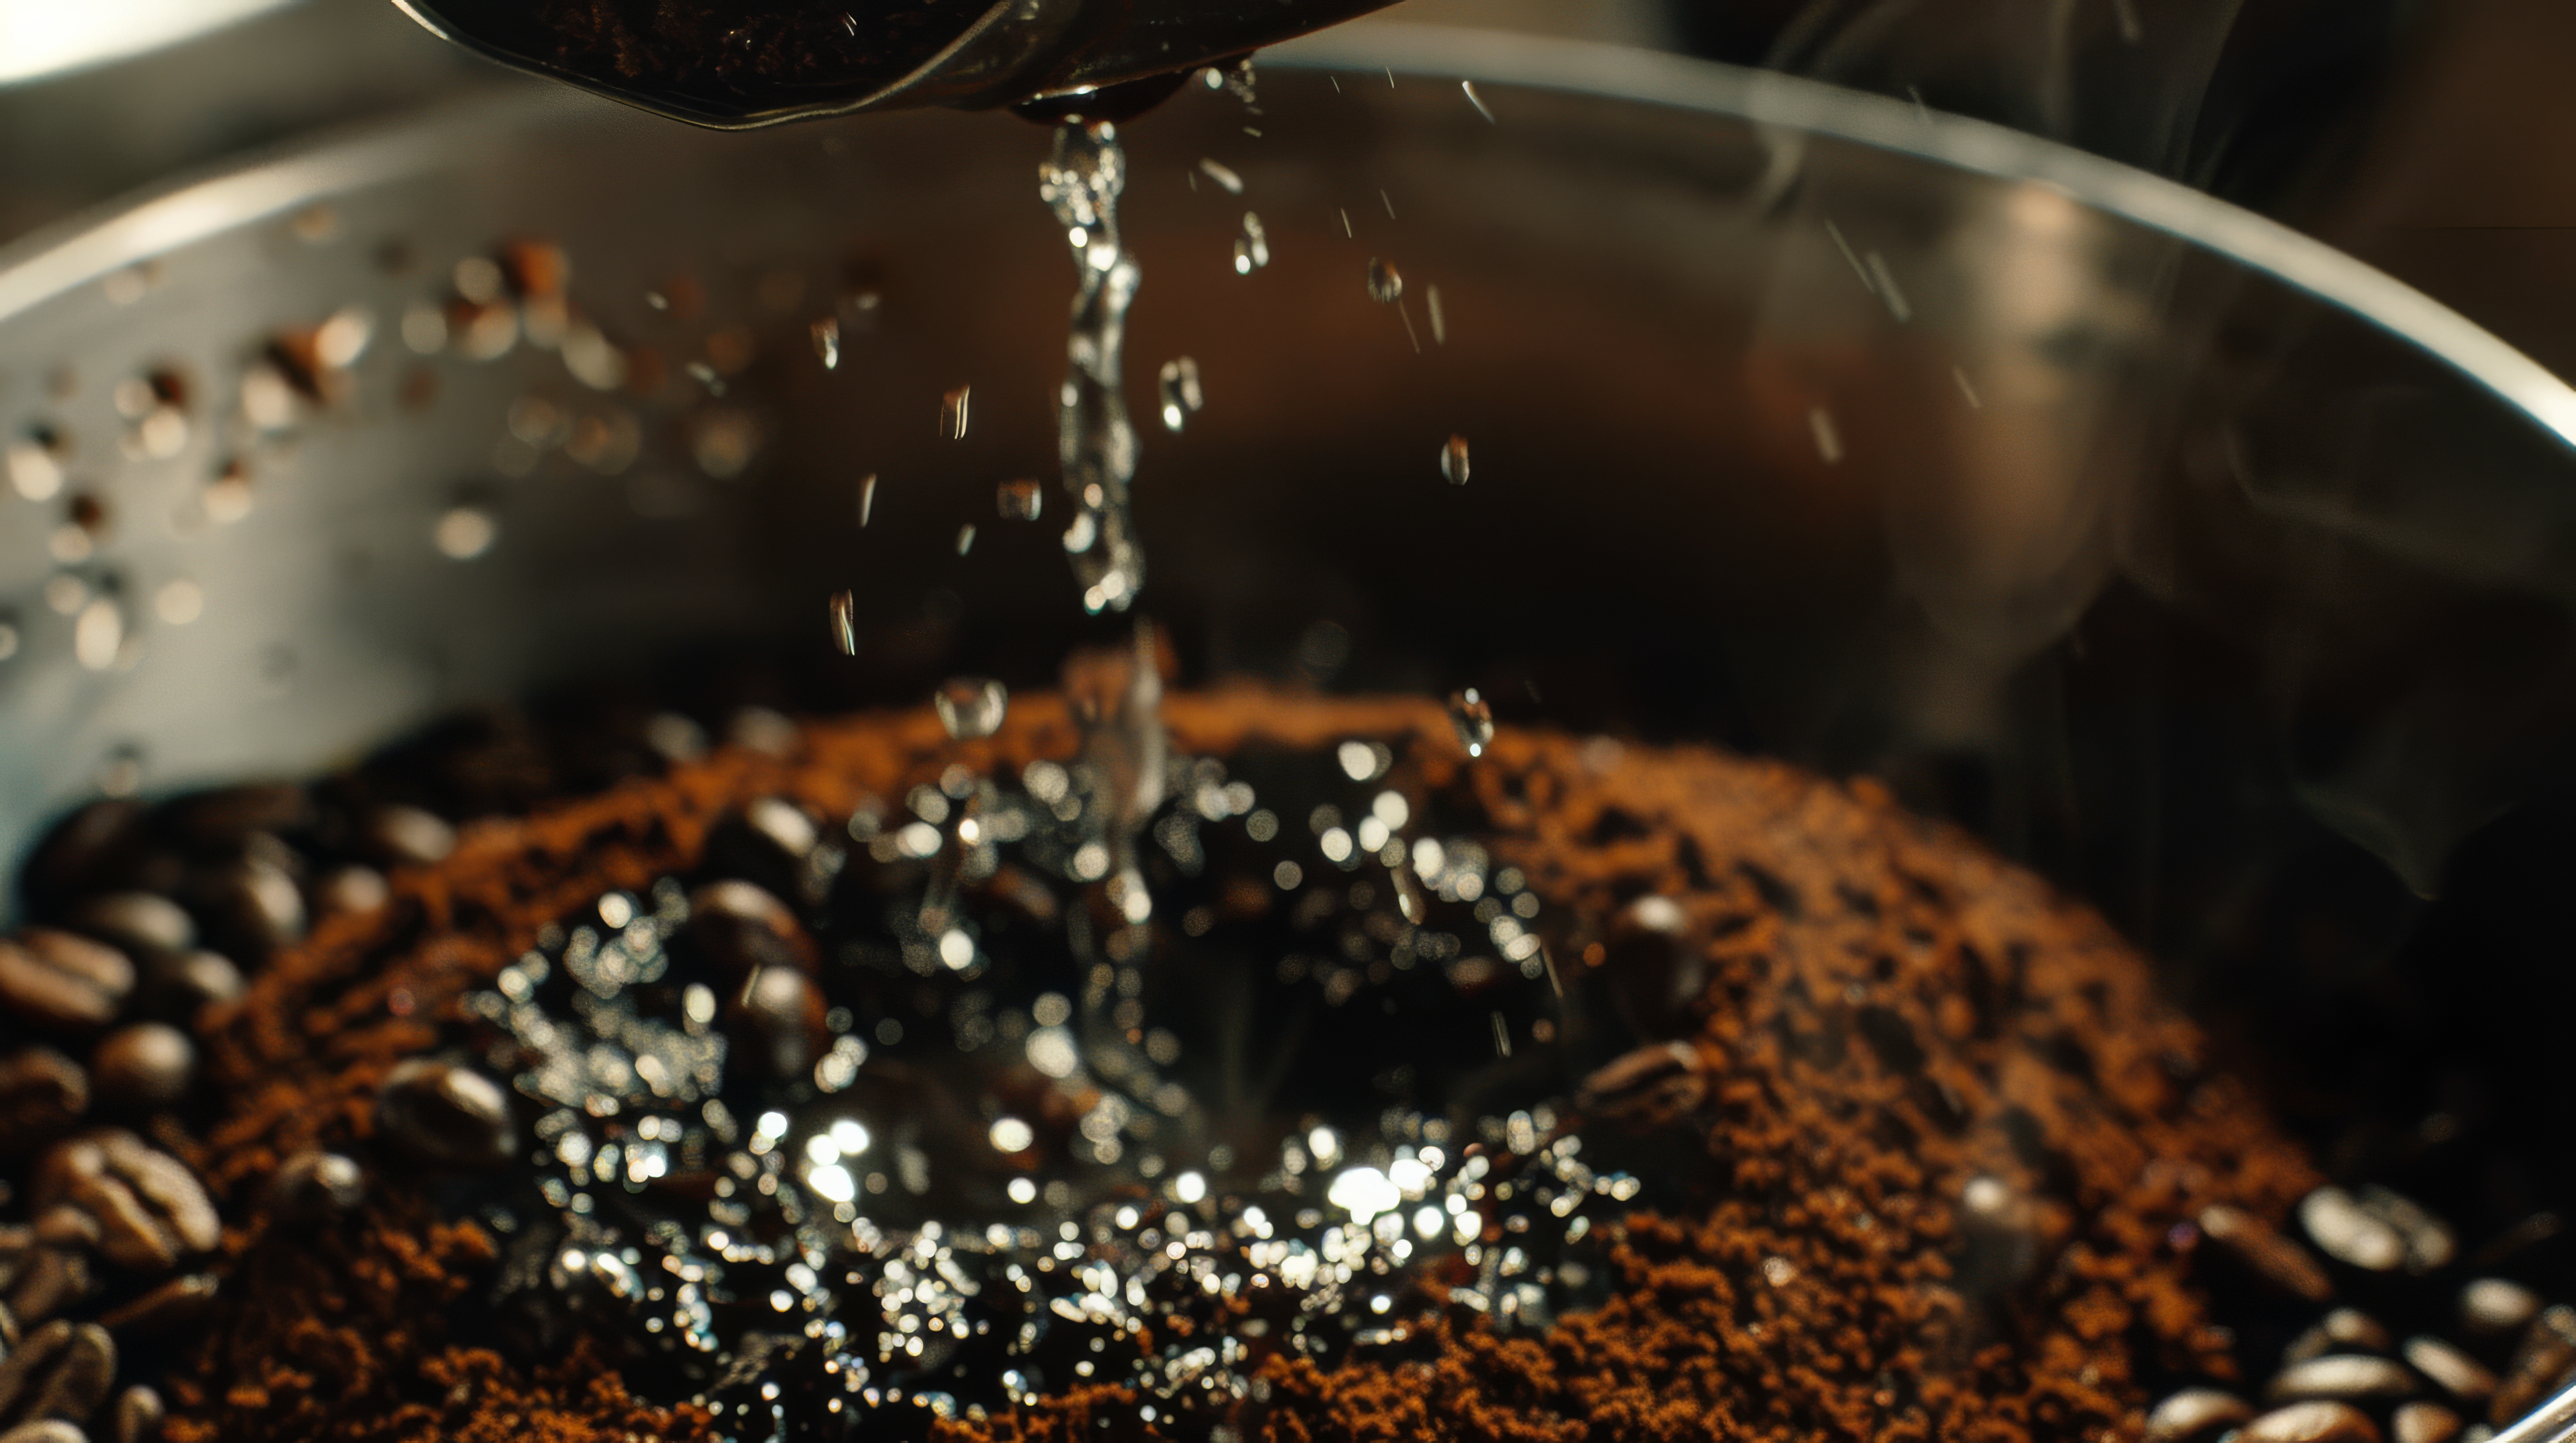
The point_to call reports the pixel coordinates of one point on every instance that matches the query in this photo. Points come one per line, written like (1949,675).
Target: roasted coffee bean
(47,1282)
(2348,1376)
(137,923)
(176,1304)
(181,985)
(137,1416)
(2429,1242)
(742,928)
(312,1186)
(62,1370)
(2495,1308)
(226,817)
(2196,1415)
(1648,1086)
(2346,1231)
(2345,1330)
(1655,973)
(2264,1252)
(92,848)
(2424,1423)
(46,1430)
(62,981)
(67,1226)
(142,1066)
(446,1116)
(254,905)
(151,1210)
(2548,1351)
(401,836)
(760,729)
(42,1093)
(2451,1370)
(2311,1423)
(770,842)
(352,890)
(776,1021)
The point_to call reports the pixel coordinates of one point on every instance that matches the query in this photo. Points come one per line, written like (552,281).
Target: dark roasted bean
(67,1226)
(62,1370)
(2495,1308)
(255,905)
(46,1430)
(181,985)
(2429,1242)
(447,1116)
(49,1281)
(2348,1376)
(2547,1352)
(2345,1330)
(2311,1423)
(228,816)
(137,1416)
(2451,1370)
(1649,1085)
(1654,970)
(2196,1415)
(151,1210)
(92,848)
(42,1093)
(174,1305)
(352,889)
(136,922)
(2424,1423)
(776,1020)
(2346,1231)
(2277,1260)
(142,1066)
(769,842)
(401,836)
(742,928)
(62,981)
(312,1186)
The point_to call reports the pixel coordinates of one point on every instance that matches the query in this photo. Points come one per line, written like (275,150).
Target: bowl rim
(84,249)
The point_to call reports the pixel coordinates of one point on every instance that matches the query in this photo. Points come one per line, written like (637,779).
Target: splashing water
(1453,461)
(1473,718)
(1181,394)
(1081,181)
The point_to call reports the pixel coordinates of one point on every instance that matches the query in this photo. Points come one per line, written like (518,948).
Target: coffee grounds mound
(1955,1137)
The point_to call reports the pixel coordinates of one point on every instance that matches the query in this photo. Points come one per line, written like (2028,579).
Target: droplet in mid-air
(845,623)
(827,342)
(952,413)
(1252,248)
(1473,716)
(971,706)
(1019,500)
(1453,460)
(1181,394)
(1385,282)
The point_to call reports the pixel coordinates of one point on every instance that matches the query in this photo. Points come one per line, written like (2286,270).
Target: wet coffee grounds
(1921,1154)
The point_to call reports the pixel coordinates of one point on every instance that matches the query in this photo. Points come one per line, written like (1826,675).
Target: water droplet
(1473,717)
(845,623)
(1385,283)
(1478,101)
(867,496)
(34,468)
(465,533)
(1020,500)
(1829,439)
(971,706)
(952,413)
(1439,321)
(99,633)
(179,602)
(1252,248)
(965,538)
(1180,391)
(827,342)
(1223,176)
(1453,460)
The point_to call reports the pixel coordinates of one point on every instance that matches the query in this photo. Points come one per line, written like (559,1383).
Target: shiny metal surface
(1800,418)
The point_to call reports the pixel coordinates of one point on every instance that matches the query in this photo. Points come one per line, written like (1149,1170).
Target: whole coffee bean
(2429,1242)
(401,836)
(312,1186)
(2347,1232)
(184,984)
(759,729)
(179,1303)
(45,1430)
(2425,1423)
(63,982)
(1648,1086)
(2279,1262)
(137,923)
(2196,1415)
(776,1021)
(67,1226)
(2451,1370)
(224,818)
(2495,1308)
(255,905)
(769,843)
(2547,1352)
(1656,974)
(2345,1330)
(94,847)
(143,1066)
(2348,1376)
(742,928)
(446,1116)
(2311,1423)
(151,1210)
(137,1416)
(48,1281)
(351,890)
(63,1370)
(42,1093)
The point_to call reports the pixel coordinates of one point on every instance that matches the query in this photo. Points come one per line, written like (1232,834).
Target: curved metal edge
(1677,82)
(2551,1422)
